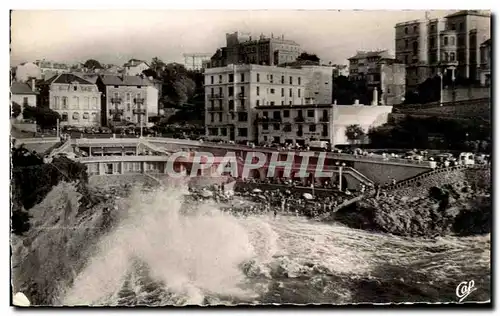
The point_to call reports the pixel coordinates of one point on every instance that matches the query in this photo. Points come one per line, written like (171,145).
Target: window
(415,48)
(290,92)
(257,102)
(452,56)
(276,126)
(406,59)
(433,28)
(231,77)
(453,27)
(211,79)
(312,128)
(223,131)
(445,57)
(65,102)
(231,105)
(265,126)
(282,79)
(271,78)
(25,100)
(286,113)
(258,77)
(406,43)
(86,103)
(265,114)
(64,117)
(76,116)
(290,103)
(94,103)
(299,80)
(282,102)
(242,77)
(282,92)
(272,91)
(272,103)
(86,116)
(138,87)
(75,88)
(445,40)
(231,91)
(258,90)
(220,91)
(432,42)
(243,132)
(461,26)
(299,93)
(452,40)
(211,117)
(310,113)
(220,117)
(276,115)
(415,29)
(291,80)
(406,30)
(128,106)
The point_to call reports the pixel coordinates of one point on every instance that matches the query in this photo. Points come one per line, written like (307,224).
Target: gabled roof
(114,80)
(21,88)
(68,78)
(381,54)
(134,62)
(487,42)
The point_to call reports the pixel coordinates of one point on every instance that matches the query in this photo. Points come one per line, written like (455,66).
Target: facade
(49,69)
(135,67)
(306,123)
(383,74)
(340,70)
(24,94)
(77,100)
(241,48)
(197,61)
(233,92)
(450,45)
(126,99)
(485,68)
(26,71)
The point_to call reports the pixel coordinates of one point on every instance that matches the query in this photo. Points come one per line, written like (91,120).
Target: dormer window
(75,88)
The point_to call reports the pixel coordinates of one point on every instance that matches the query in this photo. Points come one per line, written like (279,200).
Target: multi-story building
(449,45)
(24,94)
(382,73)
(233,92)
(241,48)
(302,124)
(49,69)
(196,61)
(135,67)
(485,68)
(77,100)
(127,99)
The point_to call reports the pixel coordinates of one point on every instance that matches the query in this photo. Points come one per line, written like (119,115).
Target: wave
(159,251)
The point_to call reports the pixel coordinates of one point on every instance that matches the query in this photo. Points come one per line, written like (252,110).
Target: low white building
(77,100)
(302,124)
(135,67)
(24,95)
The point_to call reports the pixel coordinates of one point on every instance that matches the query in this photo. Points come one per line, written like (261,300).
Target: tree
(354,133)
(44,117)
(157,65)
(178,85)
(16,110)
(92,64)
(310,57)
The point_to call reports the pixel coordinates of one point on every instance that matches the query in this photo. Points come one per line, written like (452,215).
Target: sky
(119,35)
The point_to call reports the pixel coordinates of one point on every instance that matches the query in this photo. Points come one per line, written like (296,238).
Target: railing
(299,119)
(324,119)
(116,100)
(139,111)
(242,96)
(215,96)
(116,111)
(215,108)
(139,100)
(94,159)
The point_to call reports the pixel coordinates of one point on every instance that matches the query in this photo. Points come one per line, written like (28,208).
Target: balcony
(299,119)
(139,111)
(116,111)
(241,108)
(324,119)
(116,100)
(215,109)
(300,133)
(241,95)
(139,100)
(215,96)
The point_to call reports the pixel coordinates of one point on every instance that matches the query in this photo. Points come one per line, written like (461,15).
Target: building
(77,100)
(340,70)
(196,61)
(135,67)
(24,94)
(241,48)
(26,71)
(49,69)
(450,45)
(485,68)
(127,99)
(302,124)
(383,74)
(233,92)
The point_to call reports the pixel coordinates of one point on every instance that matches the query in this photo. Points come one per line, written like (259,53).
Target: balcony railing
(299,119)
(139,111)
(324,119)
(300,133)
(139,100)
(215,96)
(116,111)
(116,100)
(241,95)
(215,109)
(242,108)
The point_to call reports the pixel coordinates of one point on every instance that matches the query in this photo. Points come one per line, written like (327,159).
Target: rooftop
(483,13)
(68,78)
(134,62)
(21,88)
(115,80)
(382,54)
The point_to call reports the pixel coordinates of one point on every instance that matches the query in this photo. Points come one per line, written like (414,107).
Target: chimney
(375,97)
(33,84)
